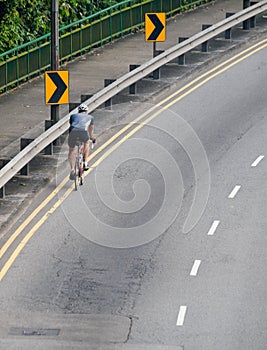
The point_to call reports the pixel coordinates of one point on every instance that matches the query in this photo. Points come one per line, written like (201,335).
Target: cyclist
(82,127)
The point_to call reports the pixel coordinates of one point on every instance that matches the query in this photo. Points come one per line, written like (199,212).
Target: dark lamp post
(54,51)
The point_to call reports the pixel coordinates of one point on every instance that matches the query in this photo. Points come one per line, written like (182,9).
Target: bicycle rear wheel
(80,169)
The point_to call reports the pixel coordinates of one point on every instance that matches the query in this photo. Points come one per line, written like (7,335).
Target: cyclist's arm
(91,128)
(91,131)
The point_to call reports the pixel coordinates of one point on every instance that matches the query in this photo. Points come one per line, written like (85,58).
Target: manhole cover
(34,331)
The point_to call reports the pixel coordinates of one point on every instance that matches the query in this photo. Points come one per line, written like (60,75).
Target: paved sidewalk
(24,107)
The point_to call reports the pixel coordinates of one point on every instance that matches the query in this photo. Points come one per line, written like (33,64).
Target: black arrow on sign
(158,26)
(61,87)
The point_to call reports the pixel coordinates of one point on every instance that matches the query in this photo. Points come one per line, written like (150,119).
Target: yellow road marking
(214,75)
(31,233)
(30,218)
(235,60)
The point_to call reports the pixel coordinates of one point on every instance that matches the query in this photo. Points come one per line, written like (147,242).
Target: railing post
(3,162)
(204,46)
(228,32)
(181,59)
(81,38)
(73,105)
(156,74)
(132,88)
(121,30)
(110,26)
(2,192)
(24,143)
(17,68)
(246,3)
(108,103)
(71,44)
(86,97)
(48,149)
(28,64)
(252,21)
(6,77)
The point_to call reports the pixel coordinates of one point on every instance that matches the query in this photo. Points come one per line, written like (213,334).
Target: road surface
(164,245)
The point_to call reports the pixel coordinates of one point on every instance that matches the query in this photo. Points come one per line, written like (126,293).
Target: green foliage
(11,30)
(24,20)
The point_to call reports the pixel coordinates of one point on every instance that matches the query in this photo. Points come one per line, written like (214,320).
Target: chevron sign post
(155,26)
(56,87)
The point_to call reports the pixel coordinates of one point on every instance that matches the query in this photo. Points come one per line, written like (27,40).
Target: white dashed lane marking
(195,268)
(257,161)
(181,315)
(234,192)
(213,227)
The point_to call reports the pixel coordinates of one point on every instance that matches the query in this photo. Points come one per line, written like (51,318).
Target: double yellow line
(164,104)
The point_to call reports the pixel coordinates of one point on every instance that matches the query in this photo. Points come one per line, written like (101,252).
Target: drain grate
(51,332)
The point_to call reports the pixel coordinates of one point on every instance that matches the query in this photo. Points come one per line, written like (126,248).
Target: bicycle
(79,162)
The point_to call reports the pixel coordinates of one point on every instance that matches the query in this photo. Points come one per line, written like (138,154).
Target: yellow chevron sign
(155,26)
(56,87)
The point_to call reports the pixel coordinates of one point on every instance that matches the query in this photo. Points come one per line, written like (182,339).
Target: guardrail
(40,143)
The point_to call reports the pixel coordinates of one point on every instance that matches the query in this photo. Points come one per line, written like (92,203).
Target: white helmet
(82,108)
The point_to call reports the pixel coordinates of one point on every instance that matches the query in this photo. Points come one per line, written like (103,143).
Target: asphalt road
(164,245)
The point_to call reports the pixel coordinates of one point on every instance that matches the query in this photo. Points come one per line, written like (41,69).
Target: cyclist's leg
(84,136)
(71,155)
(86,151)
